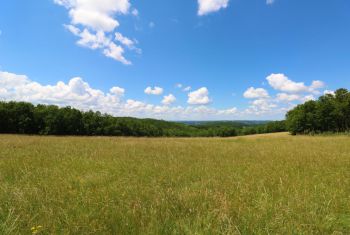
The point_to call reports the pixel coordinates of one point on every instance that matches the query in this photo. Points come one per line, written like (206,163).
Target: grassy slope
(245,185)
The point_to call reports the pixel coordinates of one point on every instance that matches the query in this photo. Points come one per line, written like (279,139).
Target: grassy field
(268,184)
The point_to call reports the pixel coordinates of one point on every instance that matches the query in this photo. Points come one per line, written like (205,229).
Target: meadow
(263,184)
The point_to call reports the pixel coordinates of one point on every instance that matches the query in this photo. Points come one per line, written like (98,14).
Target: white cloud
(154,91)
(97,15)
(200,96)
(93,41)
(188,88)
(231,111)
(99,41)
(284,97)
(131,44)
(253,93)
(168,99)
(135,12)
(183,88)
(116,52)
(76,92)
(117,91)
(282,83)
(74,30)
(124,40)
(10,80)
(263,106)
(209,6)
(292,94)
(79,94)
(288,98)
(317,85)
(328,92)
(94,21)
(308,98)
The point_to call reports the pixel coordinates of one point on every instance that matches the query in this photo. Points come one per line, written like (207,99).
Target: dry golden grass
(269,184)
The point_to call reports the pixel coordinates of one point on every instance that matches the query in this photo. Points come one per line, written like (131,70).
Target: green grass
(268,184)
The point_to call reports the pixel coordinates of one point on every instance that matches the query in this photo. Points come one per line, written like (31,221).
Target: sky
(174,60)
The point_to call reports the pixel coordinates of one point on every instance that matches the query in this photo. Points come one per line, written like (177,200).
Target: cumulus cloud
(76,92)
(199,97)
(88,39)
(328,92)
(253,93)
(117,91)
(288,98)
(94,21)
(260,106)
(317,85)
(282,83)
(99,40)
(168,99)
(116,52)
(263,104)
(308,98)
(97,15)
(284,97)
(154,91)
(10,80)
(291,93)
(79,94)
(209,6)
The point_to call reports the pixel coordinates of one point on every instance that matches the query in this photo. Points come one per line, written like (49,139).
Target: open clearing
(269,184)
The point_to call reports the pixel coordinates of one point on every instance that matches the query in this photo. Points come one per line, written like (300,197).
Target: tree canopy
(330,113)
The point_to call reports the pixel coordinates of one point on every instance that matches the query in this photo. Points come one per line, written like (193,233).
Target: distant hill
(234,123)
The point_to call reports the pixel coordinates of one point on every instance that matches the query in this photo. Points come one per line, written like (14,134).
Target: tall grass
(269,184)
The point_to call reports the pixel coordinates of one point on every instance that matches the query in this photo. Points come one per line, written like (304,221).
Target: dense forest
(26,118)
(330,113)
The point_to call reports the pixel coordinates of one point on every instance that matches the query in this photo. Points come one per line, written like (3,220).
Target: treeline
(330,113)
(26,118)
(270,127)
(246,127)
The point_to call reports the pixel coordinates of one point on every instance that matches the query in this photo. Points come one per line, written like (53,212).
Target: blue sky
(238,59)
